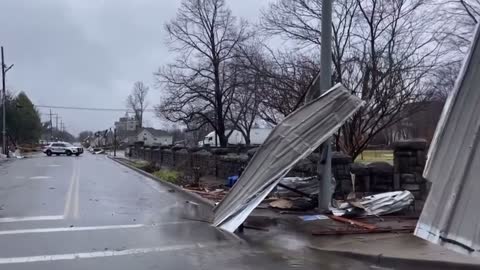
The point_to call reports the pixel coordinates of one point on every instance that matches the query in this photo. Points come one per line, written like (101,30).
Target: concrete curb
(392,261)
(194,197)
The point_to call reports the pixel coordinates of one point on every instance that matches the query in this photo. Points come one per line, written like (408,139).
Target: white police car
(62,148)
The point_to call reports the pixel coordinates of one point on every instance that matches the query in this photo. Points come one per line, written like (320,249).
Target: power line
(87,108)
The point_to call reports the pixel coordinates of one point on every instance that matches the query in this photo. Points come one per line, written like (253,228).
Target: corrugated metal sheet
(451,215)
(294,138)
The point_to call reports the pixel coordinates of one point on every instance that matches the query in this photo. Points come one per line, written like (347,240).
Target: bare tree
(443,80)
(383,51)
(460,16)
(281,79)
(137,102)
(200,85)
(244,112)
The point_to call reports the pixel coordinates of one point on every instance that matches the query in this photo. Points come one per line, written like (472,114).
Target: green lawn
(369,156)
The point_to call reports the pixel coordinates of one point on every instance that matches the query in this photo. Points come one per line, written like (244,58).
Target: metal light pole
(4,104)
(325,163)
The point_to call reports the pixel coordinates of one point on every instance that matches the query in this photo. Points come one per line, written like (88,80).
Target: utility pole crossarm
(7,69)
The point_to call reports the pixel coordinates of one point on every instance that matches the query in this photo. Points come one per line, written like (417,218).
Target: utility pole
(114,142)
(4,104)
(325,162)
(56,121)
(51,125)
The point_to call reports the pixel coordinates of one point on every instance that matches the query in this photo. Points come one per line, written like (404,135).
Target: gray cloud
(89,52)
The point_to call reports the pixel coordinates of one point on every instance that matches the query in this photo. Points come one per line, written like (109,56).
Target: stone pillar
(167,158)
(409,161)
(156,157)
(381,177)
(362,177)
(341,172)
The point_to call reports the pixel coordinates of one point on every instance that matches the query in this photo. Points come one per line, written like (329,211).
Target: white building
(125,124)
(154,137)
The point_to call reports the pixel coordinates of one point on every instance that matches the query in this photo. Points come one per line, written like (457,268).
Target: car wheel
(77,154)
(69,153)
(49,153)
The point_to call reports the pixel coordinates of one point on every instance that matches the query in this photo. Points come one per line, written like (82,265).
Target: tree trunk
(247,140)
(219,108)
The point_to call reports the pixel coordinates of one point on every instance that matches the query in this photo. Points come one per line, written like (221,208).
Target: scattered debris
(354,222)
(16,154)
(231,180)
(282,204)
(374,205)
(313,217)
(299,204)
(346,231)
(296,137)
(363,225)
(98,152)
(213,195)
(297,186)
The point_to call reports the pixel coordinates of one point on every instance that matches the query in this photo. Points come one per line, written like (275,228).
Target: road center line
(76,196)
(34,218)
(68,200)
(108,253)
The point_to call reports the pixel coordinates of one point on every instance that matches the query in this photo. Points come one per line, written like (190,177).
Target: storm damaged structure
(296,137)
(450,216)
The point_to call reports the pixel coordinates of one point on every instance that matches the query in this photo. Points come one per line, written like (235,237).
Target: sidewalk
(391,249)
(384,249)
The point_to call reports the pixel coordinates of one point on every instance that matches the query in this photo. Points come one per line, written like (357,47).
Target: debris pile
(215,195)
(345,226)
(374,205)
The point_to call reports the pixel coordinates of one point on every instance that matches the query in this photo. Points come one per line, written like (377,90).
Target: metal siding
(450,216)
(291,140)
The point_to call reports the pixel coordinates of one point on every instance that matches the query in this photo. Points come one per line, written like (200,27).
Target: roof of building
(156,132)
(126,133)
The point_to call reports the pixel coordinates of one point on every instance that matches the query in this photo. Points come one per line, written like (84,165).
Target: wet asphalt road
(89,212)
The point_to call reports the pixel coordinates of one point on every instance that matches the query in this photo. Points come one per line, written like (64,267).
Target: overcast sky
(88,53)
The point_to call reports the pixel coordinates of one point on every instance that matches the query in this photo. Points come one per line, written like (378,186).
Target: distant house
(154,137)
(127,137)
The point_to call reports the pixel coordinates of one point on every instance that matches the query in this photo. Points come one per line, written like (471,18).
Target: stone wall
(406,173)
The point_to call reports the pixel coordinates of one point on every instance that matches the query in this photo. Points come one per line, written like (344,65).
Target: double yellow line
(72,203)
